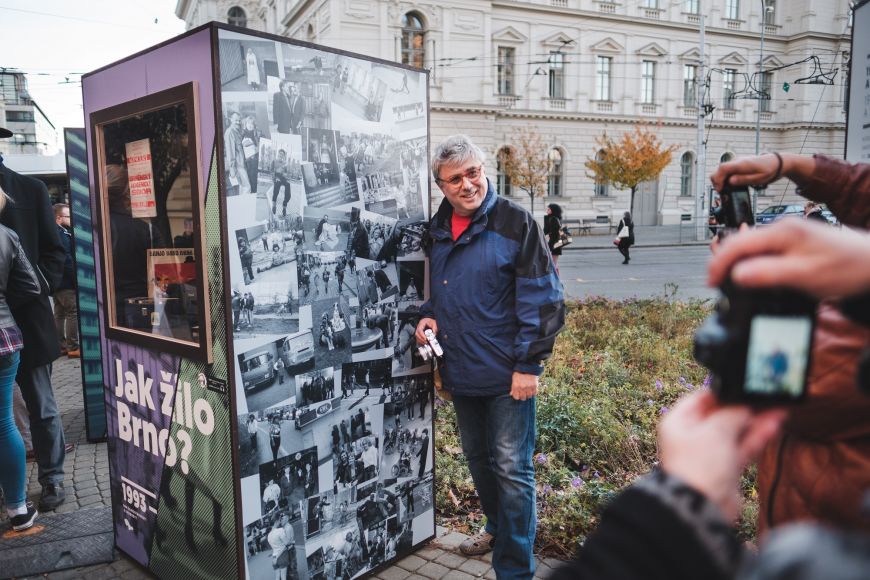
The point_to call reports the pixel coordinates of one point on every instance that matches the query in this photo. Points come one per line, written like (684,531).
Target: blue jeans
(498,439)
(13,474)
(46,427)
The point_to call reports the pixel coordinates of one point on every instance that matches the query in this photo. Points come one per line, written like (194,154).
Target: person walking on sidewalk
(625,236)
(29,215)
(553,231)
(496,328)
(66,311)
(18,280)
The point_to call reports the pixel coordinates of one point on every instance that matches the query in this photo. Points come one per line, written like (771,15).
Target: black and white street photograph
(326,229)
(281,175)
(361,92)
(377,282)
(370,378)
(374,326)
(373,236)
(325,275)
(331,330)
(266,370)
(406,357)
(412,278)
(267,435)
(417,497)
(245,62)
(321,175)
(315,386)
(289,479)
(411,239)
(407,436)
(273,532)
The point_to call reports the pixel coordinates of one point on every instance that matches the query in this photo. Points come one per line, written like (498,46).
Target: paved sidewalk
(87,487)
(645,236)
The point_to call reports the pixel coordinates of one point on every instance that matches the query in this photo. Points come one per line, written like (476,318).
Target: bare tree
(526,163)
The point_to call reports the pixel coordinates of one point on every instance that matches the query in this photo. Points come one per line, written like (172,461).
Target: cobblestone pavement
(87,487)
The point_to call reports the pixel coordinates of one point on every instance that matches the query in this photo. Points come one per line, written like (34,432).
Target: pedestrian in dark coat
(30,215)
(626,241)
(424,452)
(553,229)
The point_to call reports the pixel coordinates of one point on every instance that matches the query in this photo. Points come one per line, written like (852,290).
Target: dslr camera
(758,345)
(432,349)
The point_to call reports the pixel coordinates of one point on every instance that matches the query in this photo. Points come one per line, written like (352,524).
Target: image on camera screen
(776,359)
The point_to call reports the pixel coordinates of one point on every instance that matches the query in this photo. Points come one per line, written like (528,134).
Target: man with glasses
(496,306)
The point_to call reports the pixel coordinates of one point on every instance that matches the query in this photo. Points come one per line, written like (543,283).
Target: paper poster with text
(140,176)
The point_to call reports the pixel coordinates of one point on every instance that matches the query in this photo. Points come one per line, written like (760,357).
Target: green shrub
(616,368)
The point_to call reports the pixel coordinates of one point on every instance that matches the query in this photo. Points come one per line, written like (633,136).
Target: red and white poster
(140,176)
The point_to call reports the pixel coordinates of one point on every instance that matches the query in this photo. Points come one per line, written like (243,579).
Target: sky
(55,41)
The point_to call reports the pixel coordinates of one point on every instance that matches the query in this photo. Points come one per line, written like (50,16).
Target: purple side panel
(132,468)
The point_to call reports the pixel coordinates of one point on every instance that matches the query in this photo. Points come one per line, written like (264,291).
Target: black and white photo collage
(327,200)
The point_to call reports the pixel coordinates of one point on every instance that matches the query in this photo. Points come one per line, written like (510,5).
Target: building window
(765,87)
(691,6)
(690,85)
(602,78)
(502,179)
(769,13)
(237,17)
(554,182)
(649,3)
(687,166)
(728,88)
(647,82)
(505,70)
(732,9)
(19,116)
(601,189)
(557,75)
(413,35)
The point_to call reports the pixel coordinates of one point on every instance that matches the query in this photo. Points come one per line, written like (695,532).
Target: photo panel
(313,73)
(326,181)
(407,430)
(331,330)
(341,555)
(390,174)
(416,497)
(280,174)
(325,275)
(377,282)
(370,378)
(412,280)
(283,525)
(406,358)
(315,387)
(411,240)
(246,132)
(326,229)
(264,374)
(246,61)
(289,480)
(360,91)
(373,236)
(374,328)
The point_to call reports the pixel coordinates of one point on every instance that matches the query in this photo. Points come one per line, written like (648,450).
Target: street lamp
(765,10)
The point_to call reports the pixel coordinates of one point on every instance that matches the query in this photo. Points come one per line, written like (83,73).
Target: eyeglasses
(456,180)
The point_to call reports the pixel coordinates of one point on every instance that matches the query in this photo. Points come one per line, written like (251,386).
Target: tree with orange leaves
(526,163)
(626,163)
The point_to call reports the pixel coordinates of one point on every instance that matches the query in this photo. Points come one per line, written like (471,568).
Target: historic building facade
(573,69)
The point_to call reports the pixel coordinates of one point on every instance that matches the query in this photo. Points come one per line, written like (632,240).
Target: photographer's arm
(815,258)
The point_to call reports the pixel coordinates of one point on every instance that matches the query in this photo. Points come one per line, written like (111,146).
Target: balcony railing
(654,13)
(556,104)
(559,3)
(729,114)
(604,106)
(733,24)
(648,108)
(507,100)
(607,7)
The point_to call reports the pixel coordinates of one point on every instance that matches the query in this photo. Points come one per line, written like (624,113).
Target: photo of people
(325,170)
(245,62)
(331,320)
(377,282)
(412,277)
(776,361)
(361,92)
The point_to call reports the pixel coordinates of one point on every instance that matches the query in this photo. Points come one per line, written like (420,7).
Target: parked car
(257,370)
(776,212)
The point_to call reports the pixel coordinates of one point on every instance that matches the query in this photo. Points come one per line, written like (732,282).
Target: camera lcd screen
(737,206)
(776,361)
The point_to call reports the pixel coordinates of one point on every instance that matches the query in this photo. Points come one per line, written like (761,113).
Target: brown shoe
(74,353)
(478,545)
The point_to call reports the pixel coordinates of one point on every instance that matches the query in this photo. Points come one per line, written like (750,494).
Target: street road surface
(587,272)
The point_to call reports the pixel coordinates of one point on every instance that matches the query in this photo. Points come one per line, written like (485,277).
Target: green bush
(616,368)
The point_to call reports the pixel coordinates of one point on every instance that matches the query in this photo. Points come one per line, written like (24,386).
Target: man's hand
(707,445)
(421,328)
(524,386)
(759,170)
(795,253)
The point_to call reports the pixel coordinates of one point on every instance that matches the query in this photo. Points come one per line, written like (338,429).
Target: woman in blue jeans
(19,283)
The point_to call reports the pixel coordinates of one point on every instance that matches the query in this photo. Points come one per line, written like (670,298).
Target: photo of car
(776,212)
(257,370)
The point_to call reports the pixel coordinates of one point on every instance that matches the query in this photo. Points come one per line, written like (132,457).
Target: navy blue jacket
(495,296)
(68,280)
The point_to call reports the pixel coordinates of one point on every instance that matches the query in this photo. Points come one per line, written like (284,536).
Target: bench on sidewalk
(587,226)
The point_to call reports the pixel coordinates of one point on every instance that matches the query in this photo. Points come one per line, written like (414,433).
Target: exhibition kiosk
(259,206)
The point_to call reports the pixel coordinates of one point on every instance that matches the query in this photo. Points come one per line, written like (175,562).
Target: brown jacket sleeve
(844,187)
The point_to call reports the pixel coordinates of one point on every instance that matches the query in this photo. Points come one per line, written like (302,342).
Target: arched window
(309,34)
(554,182)
(237,17)
(502,179)
(413,34)
(601,189)
(687,166)
(726,157)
